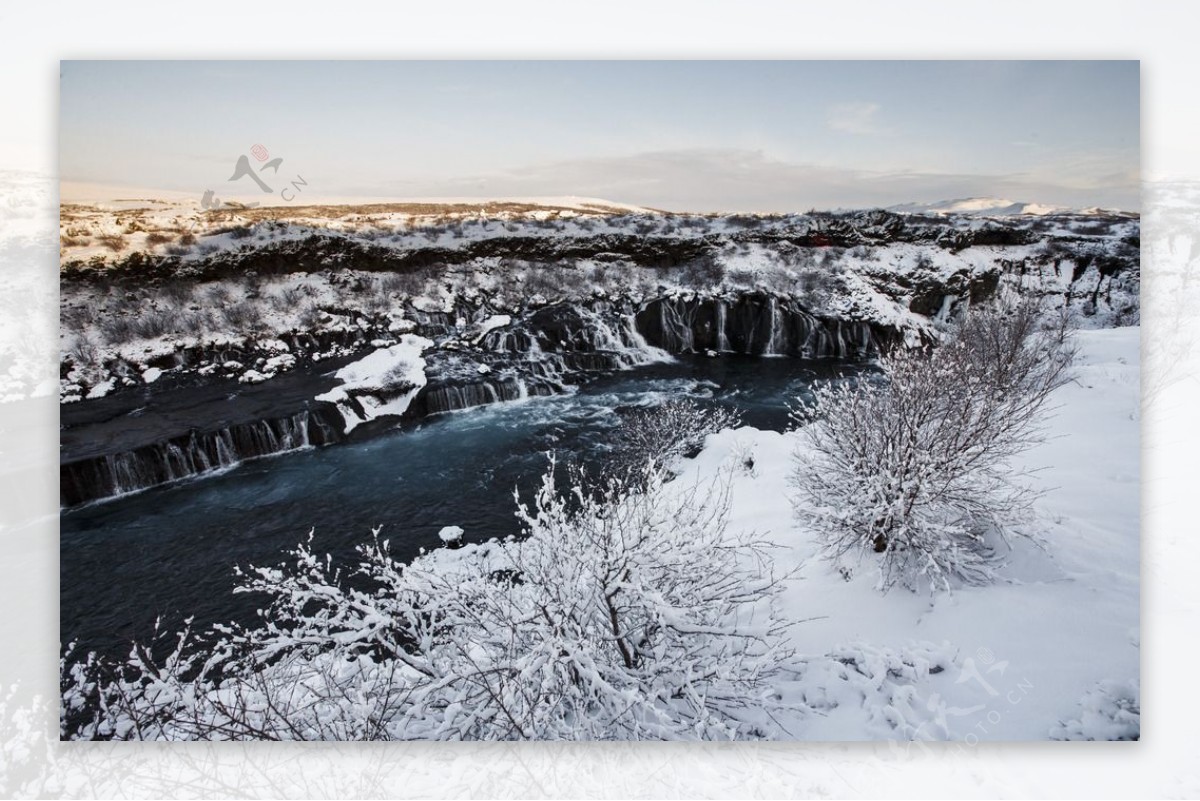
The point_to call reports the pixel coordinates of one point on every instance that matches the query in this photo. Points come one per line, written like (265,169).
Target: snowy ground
(1052,651)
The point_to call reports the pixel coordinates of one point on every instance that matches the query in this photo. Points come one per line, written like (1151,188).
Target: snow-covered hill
(995,207)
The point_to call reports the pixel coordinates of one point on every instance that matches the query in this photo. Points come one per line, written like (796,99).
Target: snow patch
(491,324)
(101,389)
(1012,657)
(979,206)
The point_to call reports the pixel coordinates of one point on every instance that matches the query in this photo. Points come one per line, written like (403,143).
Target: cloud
(855,118)
(705,180)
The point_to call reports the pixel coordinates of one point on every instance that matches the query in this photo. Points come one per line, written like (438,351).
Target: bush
(310,317)
(85,353)
(703,272)
(916,470)
(624,614)
(744,221)
(408,284)
(146,324)
(236,231)
(114,242)
(219,294)
(176,292)
(242,316)
(548,280)
(289,297)
(658,436)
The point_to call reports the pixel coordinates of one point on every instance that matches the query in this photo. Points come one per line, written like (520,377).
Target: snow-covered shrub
(917,468)
(84,352)
(662,434)
(243,315)
(623,613)
(702,272)
(1112,710)
(744,459)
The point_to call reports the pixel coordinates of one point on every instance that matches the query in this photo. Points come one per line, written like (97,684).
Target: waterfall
(453,397)
(226,455)
(539,353)
(192,454)
(675,333)
(753,324)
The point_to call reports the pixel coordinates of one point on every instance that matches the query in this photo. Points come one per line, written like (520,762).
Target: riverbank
(1050,650)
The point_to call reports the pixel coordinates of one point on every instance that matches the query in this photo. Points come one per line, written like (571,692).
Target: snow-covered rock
(450,535)
(383,383)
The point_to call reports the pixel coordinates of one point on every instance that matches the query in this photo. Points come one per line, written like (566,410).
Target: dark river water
(170,551)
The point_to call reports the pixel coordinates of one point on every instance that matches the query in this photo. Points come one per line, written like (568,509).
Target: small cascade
(223,444)
(193,454)
(722,322)
(453,397)
(675,329)
(773,345)
(538,354)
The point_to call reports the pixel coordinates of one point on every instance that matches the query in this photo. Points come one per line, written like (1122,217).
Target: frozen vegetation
(234,292)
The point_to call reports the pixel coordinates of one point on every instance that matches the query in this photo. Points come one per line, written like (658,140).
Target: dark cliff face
(755,324)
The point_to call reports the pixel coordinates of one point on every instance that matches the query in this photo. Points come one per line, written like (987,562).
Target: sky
(676,135)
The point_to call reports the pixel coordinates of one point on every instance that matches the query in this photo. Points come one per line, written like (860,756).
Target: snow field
(1052,649)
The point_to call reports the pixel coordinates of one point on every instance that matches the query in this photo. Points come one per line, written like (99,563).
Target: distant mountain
(993,207)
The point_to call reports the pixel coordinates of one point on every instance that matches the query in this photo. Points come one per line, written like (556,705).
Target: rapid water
(170,550)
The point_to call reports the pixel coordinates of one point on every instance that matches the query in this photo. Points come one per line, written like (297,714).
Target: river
(170,550)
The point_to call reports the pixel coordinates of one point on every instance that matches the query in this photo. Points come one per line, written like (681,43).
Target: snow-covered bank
(1011,661)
